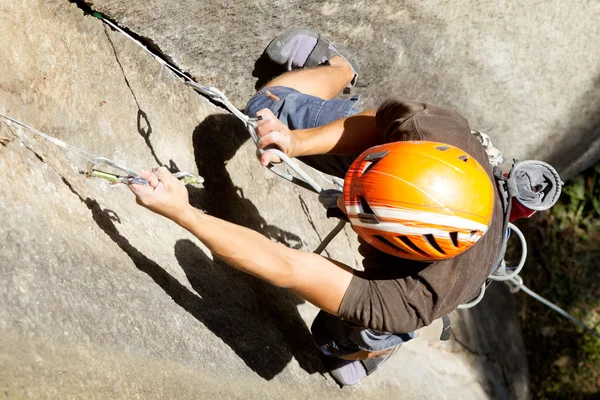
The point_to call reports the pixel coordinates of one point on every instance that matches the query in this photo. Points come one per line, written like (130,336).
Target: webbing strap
(446,329)
(371,364)
(318,55)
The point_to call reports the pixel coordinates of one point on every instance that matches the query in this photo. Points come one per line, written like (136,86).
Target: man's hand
(272,132)
(165,195)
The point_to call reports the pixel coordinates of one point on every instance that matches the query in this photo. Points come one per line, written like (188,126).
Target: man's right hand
(164,195)
(272,132)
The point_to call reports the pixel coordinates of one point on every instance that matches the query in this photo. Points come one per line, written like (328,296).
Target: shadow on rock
(258,321)
(491,331)
(266,70)
(216,140)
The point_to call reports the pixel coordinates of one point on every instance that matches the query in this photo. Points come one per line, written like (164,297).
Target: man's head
(421,200)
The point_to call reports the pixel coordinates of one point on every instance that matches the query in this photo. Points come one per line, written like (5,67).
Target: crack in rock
(143,123)
(306,212)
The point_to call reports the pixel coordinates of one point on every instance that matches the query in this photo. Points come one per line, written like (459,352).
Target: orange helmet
(421,200)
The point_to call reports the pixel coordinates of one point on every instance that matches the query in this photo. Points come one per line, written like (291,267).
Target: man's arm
(351,135)
(321,281)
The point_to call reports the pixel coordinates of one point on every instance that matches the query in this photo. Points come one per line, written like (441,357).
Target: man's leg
(325,81)
(305,98)
(351,353)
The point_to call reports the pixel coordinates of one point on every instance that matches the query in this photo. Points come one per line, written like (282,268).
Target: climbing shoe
(350,372)
(301,48)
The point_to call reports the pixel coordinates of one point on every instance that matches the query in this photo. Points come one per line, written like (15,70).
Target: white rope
(500,278)
(500,275)
(53,140)
(518,282)
(93,160)
(475,301)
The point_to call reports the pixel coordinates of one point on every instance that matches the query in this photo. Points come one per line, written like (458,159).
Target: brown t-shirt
(398,295)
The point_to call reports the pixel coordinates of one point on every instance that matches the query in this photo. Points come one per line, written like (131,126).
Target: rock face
(101,298)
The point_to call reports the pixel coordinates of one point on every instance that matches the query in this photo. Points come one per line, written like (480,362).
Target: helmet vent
(373,159)
(376,156)
(410,244)
(387,242)
(370,165)
(442,148)
(367,215)
(366,208)
(454,237)
(429,237)
(464,158)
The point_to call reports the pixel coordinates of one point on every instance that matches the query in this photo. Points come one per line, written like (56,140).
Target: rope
(518,282)
(495,277)
(92,159)
(53,140)
(476,301)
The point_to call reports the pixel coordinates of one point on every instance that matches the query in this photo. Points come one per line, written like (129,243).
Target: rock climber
(419,192)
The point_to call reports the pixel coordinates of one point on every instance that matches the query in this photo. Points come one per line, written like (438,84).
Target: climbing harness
(92,171)
(532,185)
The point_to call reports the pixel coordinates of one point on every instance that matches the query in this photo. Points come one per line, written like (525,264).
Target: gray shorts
(332,335)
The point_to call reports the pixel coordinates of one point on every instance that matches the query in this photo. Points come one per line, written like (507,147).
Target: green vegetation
(563,266)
